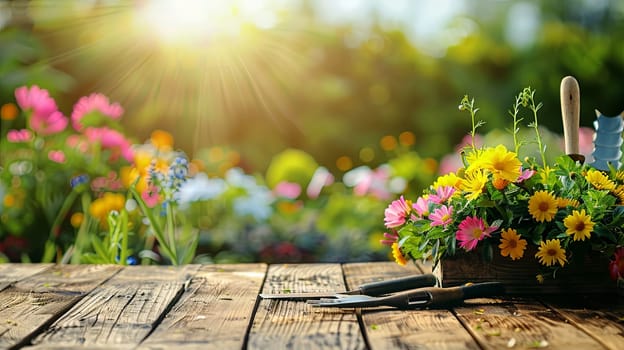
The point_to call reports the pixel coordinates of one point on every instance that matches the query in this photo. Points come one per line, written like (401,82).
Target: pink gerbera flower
(16,136)
(443,193)
(57,156)
(48,124)
(397,212)
(94,103)
(616,266)
(525,175)
(35,99)
(112,140)
(442,216)
(421,207)
(471,231)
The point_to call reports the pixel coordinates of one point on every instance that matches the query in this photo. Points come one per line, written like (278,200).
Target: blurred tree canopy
(324,87)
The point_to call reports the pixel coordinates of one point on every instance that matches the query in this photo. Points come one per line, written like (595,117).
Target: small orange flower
(8,111)
(500,183)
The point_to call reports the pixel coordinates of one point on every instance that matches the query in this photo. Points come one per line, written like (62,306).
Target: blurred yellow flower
(76,219)
(101,207)
(162,140)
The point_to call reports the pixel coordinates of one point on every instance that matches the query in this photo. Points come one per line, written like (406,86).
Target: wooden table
(217,307)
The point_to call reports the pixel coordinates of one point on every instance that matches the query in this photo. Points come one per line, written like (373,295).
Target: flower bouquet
(535,225)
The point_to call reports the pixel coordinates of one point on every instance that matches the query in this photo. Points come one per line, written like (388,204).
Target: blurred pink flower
(107,183)
(47,124)
(471,231)
(321,178)
(390,238)
(525,175)
(23,135)
(150,196)
(367,181)
(94,103)
(616,266)
(112,140)
(35,99)
(57,156)
(78,142)
(290,190)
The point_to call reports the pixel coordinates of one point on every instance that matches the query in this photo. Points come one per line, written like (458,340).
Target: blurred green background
(329,77)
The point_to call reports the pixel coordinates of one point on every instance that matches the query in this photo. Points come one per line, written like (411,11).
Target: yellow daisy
(511,244)
(567,202)
(619,193)
(543,206)
(398,255)
(579,224)
(599,180)
(550,252)
(473,184)
(450,179)
(502,163)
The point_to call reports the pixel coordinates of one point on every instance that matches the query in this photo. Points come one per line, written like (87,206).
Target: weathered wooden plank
(33,303)
(214,312)
(600,316)
(406,329)
(121,312)
(284,324)
(13,272)
(522,324)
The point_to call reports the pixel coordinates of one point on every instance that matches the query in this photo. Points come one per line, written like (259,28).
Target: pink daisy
(396,213)
(94,103)
(421,207)
(35,99)
(112,140)
(48,124)
(23,135)
(443,193)
(442,216)
(525,175)
(390,238)
(471,231)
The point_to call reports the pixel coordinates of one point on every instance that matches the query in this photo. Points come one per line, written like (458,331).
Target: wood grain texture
(214,312)
(13,272)
(285,324)
(602,317)
(406,329)
(523,324)
(122,311)
(33,303)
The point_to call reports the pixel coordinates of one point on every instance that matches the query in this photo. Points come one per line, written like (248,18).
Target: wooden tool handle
(570,112)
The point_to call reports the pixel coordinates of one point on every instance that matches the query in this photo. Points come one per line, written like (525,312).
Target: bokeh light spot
(388,143)
(407,138)
(344,163)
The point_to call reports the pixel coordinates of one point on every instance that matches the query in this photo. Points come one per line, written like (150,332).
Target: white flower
(200,188)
